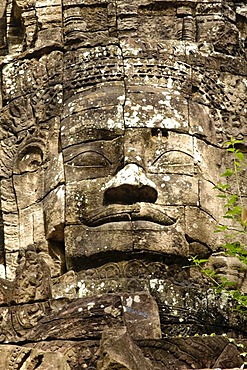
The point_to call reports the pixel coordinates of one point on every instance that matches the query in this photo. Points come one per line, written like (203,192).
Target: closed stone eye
(173,157)
(89,159)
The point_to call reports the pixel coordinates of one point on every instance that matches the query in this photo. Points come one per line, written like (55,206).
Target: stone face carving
(229,267)
(113,116)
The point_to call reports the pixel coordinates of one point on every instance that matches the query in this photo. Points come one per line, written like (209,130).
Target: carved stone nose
(129,186)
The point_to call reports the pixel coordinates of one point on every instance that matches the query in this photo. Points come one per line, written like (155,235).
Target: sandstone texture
(113,119)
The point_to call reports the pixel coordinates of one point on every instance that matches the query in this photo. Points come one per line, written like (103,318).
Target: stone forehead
(148,107)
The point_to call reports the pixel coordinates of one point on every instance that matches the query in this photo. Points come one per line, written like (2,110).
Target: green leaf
(235,211)
(232,142)
(228,172)
(237,141)
(197,262)
(209,272)
(220,228)
(232,200)
(227,283)
(227,143)
(221,196)
(203,260)
(221,186)
(240,155)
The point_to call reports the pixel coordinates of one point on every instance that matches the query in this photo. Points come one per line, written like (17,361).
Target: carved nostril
(130,194)
(129,186)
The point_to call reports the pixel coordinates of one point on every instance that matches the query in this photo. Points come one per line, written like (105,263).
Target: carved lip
(134,212)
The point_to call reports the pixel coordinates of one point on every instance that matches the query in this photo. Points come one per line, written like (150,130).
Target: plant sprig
(235,211)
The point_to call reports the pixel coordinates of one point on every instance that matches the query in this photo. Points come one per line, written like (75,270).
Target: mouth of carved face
(146,212)
(121,232)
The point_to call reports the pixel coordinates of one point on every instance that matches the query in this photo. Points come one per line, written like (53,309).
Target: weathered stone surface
(192,353)
(113,116)
(118,351)
(12,357)
(78,354)
(141,316)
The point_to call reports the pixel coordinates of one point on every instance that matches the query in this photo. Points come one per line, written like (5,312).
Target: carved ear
(31,153)
(29,159)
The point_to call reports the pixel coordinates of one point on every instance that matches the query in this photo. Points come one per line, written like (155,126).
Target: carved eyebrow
(170,151)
